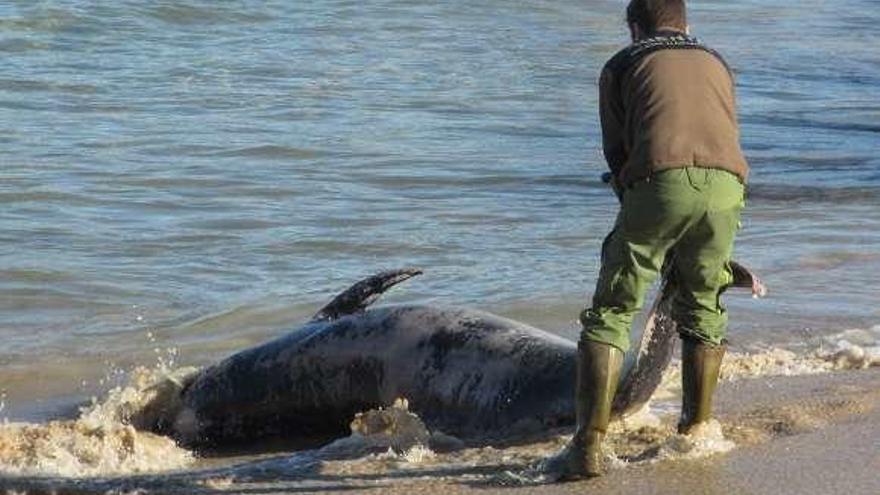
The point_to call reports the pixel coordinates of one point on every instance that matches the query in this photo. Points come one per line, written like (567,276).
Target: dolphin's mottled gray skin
(465,372)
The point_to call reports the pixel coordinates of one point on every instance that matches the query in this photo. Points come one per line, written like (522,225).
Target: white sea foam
(707,439)
(849,350)
(102,440)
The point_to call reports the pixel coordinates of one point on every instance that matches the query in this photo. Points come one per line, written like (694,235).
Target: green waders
(696,212)
(701,363)
(598,371)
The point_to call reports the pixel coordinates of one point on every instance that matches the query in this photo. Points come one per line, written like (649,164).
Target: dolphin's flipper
(657,344)
(360,295)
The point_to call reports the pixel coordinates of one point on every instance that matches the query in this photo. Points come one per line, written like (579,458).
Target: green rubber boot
(700,364)
(598,370)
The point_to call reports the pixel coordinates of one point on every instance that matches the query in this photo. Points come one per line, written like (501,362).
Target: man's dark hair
(649,15)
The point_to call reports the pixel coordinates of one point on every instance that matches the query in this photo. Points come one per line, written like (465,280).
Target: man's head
(646,17)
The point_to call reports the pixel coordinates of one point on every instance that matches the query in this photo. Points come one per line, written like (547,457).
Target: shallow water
(187,176)
(99,452)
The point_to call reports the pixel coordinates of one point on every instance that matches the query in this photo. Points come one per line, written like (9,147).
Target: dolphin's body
(465,372)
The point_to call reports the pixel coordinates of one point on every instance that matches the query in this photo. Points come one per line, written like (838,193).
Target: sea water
(183,179)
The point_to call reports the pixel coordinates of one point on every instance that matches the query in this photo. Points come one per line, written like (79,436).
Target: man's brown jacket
(668,105)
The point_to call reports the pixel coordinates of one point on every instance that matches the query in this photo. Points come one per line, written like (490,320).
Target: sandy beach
(814,434)
(808,434)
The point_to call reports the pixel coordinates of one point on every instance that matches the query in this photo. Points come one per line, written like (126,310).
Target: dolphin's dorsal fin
(360,295)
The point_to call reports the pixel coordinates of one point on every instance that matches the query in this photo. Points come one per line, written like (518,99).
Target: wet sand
(810,434)
(800,435)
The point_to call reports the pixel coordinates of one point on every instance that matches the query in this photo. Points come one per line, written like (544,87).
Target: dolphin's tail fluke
(360,295)
(745,278)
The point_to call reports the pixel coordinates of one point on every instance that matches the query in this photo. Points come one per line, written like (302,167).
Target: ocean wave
(43,20)
(814,194)
(268,151)
(43,86)
(103,440)
(204,13)
(807,123)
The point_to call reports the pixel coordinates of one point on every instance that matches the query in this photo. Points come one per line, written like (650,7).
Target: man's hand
(616,186)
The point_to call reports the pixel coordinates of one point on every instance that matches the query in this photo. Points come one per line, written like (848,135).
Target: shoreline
(805,434)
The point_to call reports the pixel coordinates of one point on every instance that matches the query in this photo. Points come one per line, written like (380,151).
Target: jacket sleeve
(611,115)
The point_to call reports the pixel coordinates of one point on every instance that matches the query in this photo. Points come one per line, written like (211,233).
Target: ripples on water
(212,172)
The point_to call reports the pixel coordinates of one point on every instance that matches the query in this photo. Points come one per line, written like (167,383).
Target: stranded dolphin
(465,372)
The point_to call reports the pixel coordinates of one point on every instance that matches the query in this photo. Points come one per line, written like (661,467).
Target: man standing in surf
(670,136)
